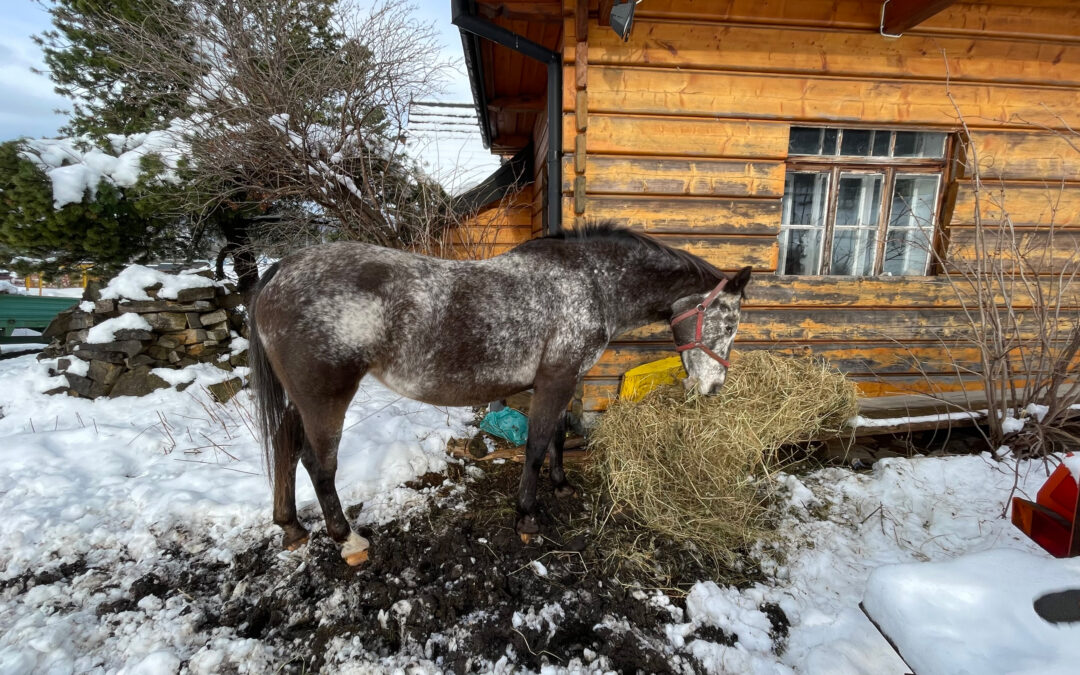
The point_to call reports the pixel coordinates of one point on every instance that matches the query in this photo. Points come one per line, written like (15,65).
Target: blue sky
(27,100)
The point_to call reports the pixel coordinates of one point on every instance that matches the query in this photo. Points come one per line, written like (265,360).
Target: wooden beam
(902,15)
(517,104)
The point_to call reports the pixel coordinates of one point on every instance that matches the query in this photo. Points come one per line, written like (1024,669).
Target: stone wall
(204,324)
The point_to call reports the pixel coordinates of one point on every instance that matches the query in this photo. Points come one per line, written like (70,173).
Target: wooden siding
(494,229)
(685,136)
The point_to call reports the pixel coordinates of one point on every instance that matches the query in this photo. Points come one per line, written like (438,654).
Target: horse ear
(737,284)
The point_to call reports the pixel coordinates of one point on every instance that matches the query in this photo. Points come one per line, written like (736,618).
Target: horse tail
(279,433)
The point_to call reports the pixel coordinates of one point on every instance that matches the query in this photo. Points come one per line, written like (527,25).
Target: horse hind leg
(323,421)
(287,446)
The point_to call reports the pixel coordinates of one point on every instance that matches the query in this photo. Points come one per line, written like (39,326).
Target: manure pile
(697,468)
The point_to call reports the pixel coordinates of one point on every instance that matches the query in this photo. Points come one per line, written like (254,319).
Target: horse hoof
(355,549)
(565,490)
(526,526)
(296,543)
(356,558)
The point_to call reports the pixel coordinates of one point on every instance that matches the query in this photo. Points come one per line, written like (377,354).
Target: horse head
(704,327)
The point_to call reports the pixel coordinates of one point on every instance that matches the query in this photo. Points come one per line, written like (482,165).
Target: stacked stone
(196,327)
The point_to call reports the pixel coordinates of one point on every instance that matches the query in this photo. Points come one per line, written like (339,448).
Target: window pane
(804,198)
(913,201)
(828,143)
(858,200)
(856,142)
(800,251)
(919,144)
(881,143)
(906,252)
(853,250)
(804,141)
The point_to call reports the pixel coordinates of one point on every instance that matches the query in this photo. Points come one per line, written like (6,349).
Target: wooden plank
(864,54)
(1043,251)
(1057,21)
(728,253)
(651,91)
(771,291)
(1026,205)
(685,215)
(1027,155)
(857,358)
(850,325)
(620,134)
(676,176)
(600,392)
(902,15)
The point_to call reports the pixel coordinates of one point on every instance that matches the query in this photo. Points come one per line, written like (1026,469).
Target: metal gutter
(473,27)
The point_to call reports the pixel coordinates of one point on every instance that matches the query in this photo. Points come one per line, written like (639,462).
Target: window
(860,202)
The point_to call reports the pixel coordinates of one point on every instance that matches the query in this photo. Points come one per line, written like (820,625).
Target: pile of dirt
(454,586)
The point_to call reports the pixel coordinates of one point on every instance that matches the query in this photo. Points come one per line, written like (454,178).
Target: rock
(239,360)
(75,337)
(193,320)
(128,348)
(152,291)
(63,364)
(223,391)
(168,342)
(140,360)
(104,372)
(201,293)
(95,355)
(213,317)
(60,390)
(125,334)
(189,336)
(104,307)
(137,382)
(84,386)
(158,352)
(59,325)
(218,334)
(174,357)
(166,321)
(144,306)
(79,320)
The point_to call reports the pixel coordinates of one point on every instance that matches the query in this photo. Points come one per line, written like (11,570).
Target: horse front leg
(562,486)
(551,396)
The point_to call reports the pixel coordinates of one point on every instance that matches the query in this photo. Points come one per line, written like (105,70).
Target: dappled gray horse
(464,333)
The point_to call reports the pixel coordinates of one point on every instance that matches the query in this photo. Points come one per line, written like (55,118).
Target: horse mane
(593,231)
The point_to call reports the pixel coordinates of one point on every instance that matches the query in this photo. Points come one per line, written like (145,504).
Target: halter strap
(699,311)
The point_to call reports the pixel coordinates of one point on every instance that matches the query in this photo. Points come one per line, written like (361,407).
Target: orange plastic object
(1053,519)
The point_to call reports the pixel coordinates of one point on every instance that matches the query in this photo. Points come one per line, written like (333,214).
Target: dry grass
(696,469)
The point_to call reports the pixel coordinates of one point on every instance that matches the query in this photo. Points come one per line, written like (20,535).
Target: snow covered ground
(95,495)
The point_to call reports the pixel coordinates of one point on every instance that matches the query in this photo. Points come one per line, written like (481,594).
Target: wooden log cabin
(817,140)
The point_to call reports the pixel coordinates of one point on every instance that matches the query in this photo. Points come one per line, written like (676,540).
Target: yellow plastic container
(639,381)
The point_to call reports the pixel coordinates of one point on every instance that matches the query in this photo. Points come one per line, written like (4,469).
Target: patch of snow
(106,330)
(1037,411)
(975,614)
(10,288)
(1011,425)
(132,282)
(861,421)
(77,367)
(1072,462)
(86,306)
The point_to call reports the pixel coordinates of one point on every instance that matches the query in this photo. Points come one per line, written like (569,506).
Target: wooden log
(769,49)
(1025,205)
(850,325)
(1039,251)
(652,91)
(676,176)
(1023,155)
(618,134)
(688,216)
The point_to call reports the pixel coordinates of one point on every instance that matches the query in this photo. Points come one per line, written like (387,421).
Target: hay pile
(696,468)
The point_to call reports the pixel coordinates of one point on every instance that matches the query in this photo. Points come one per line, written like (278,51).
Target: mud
(451,587)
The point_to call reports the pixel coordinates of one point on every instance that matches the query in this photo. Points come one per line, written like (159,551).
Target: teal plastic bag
(507,423)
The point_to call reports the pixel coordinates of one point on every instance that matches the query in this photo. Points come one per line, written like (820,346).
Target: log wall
(683,132)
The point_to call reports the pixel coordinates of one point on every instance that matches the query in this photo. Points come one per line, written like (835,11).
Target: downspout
(464,17)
